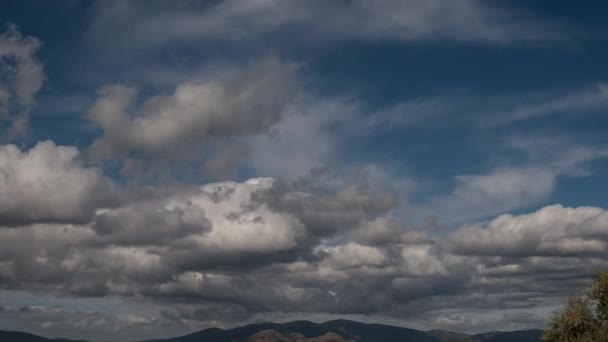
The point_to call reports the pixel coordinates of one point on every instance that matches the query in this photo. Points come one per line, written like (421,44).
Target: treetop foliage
(584,318)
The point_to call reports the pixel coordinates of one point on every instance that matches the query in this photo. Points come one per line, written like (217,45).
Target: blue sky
(407,137)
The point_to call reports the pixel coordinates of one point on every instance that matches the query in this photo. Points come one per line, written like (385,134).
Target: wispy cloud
(590,100)
(20,81)
(459,20)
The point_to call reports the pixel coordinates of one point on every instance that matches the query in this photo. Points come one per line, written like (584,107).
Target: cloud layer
(261,247)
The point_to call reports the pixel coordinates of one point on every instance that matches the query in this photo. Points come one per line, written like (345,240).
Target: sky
(169,166)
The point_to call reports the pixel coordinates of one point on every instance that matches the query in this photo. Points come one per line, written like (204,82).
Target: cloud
(558,154)
(550,231)
(224,164)
(49,183)
(149,222)
(539,163)
(240,224)
(226,225)
(352,255)
(327,213)
(593,99)
(256,120)
(195,112)
(21,78)
(69,322)
(491,112)
(258,248)
(497,191)
(233,21)
(303,139)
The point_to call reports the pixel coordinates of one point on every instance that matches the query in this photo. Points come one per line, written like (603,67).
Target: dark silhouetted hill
(352,330)
(18,336)
(303,331)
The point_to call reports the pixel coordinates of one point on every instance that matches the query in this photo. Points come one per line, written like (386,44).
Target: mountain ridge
(348,330)
(363,332)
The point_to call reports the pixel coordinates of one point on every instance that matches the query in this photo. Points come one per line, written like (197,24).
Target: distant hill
(520,336)
(305,331)
(275,336)
(18,336)
(352,330)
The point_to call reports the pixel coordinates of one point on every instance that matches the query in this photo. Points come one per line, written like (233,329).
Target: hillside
(18,336)
(331,331)
(354,331)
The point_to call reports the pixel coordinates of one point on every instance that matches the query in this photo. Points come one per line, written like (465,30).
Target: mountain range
(331,331)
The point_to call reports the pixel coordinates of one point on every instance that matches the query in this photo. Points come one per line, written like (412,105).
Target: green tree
(584,318)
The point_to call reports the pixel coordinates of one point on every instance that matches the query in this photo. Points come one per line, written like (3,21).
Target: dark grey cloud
(149,223)
(224,163)
(325,213)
